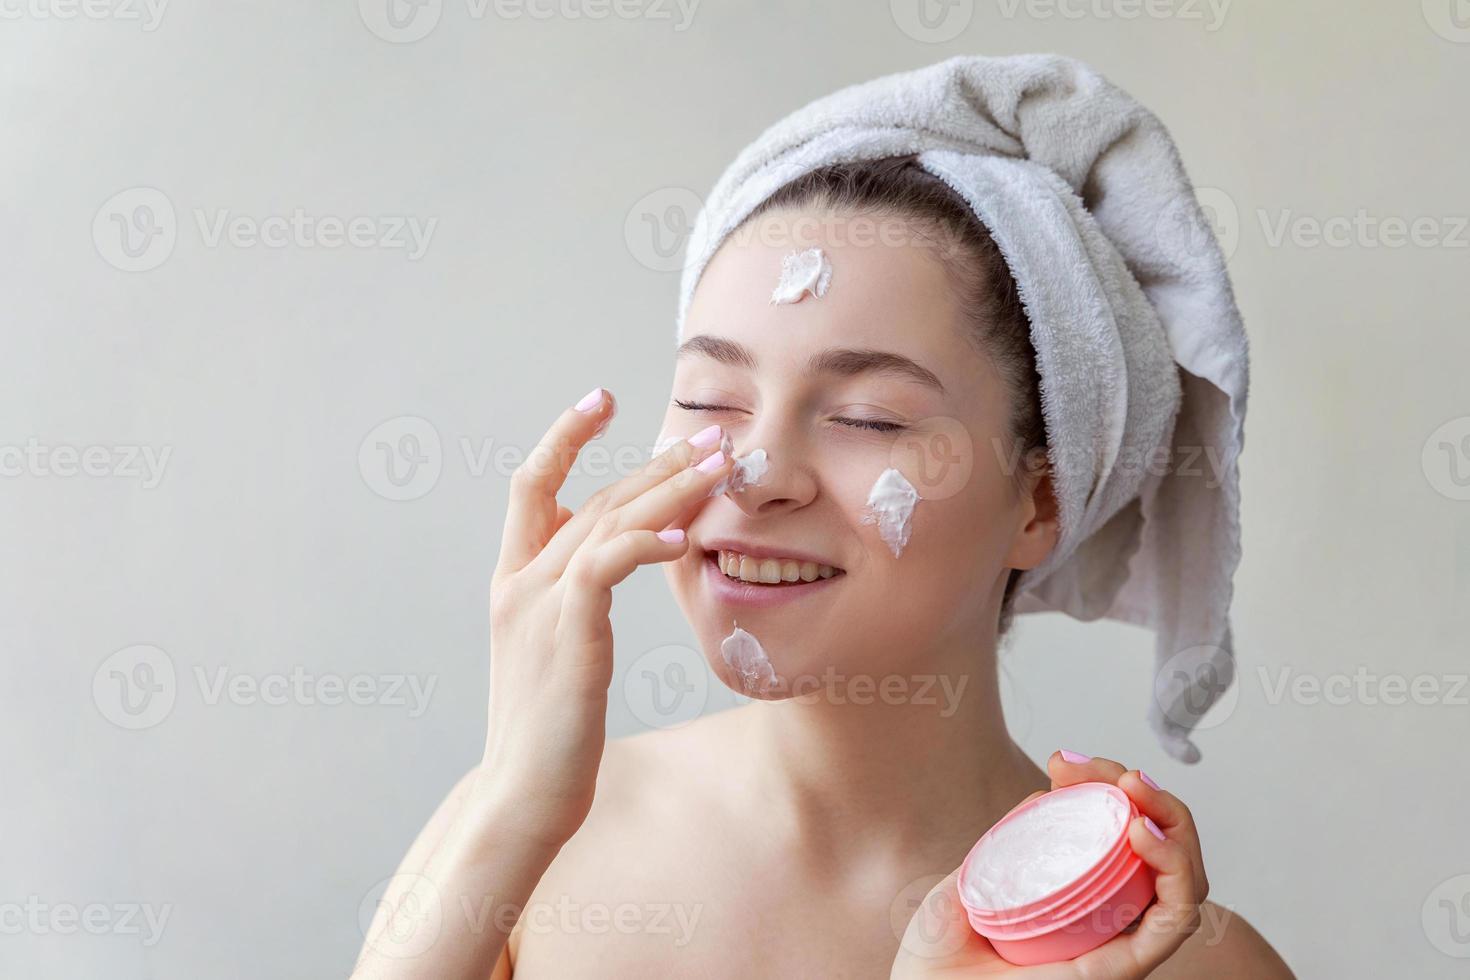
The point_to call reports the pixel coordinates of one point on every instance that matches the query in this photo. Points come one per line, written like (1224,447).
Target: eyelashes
(872,425)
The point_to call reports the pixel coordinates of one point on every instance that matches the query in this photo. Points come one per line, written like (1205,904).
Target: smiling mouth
(772,571)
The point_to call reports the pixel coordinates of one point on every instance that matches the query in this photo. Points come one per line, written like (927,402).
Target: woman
(860,310)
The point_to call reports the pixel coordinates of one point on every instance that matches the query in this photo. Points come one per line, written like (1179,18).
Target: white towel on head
(1140,347)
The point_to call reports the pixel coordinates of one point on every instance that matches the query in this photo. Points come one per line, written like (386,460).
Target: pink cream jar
(1056,877)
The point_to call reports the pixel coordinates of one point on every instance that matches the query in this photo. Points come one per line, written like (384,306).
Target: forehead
(889,291)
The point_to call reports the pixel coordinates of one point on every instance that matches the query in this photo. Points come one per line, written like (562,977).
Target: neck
(914,764)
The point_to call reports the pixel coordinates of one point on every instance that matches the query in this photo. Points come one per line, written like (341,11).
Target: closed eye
(874,425)
(701,407)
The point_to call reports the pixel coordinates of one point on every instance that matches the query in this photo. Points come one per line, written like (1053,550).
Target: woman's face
(877,373)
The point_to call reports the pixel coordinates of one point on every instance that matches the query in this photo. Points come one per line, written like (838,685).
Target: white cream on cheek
(802,273)
(743,653)
(1050,844)
(891,506)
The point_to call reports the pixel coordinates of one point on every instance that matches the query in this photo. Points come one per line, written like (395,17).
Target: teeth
(771,571)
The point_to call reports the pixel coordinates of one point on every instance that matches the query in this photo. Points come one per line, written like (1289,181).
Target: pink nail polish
(672,534)
(1147,782)
(1153,828)
(712,462)
(590,400)
(1076,758)
(705,437)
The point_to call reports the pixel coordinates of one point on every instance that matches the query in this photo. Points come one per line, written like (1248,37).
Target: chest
(679,907)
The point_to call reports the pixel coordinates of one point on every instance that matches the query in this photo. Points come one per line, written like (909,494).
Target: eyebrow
(845,362)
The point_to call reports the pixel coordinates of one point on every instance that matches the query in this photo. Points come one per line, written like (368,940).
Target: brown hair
(900,188)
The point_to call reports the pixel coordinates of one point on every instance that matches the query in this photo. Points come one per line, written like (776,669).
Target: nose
(789,482)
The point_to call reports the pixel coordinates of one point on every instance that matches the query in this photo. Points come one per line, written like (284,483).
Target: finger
(1067,767)
(558,551)
(1171,815)
(1176,915)
(582,628)
(532,510)
(673,500)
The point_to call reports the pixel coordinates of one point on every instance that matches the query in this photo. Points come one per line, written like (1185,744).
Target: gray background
(548,150)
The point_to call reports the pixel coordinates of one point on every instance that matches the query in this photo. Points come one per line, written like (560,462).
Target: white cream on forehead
(1052,842)
(891,506)
(743,653)
(801,273)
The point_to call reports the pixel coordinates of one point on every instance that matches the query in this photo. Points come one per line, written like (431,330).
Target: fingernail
(1153,828)
(672,534)
(711,462)
(590,400)
(1148,782)
(705,437)
(1074,757)
(612,411)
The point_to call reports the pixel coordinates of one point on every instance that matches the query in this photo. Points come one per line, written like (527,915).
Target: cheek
(955,553)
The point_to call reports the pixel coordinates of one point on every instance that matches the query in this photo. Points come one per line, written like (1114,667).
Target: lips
(756,594)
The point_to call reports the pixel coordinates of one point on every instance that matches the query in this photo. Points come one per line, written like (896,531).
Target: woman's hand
(939,940)
(551,641)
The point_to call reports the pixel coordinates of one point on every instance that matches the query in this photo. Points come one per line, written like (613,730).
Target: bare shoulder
(654,780)
(1226,947)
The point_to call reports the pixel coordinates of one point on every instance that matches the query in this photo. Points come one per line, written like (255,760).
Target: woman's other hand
(940,942)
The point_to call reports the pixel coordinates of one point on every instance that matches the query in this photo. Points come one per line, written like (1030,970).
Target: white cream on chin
(1046,846)
(891,506)
(743,653)
(802,273)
